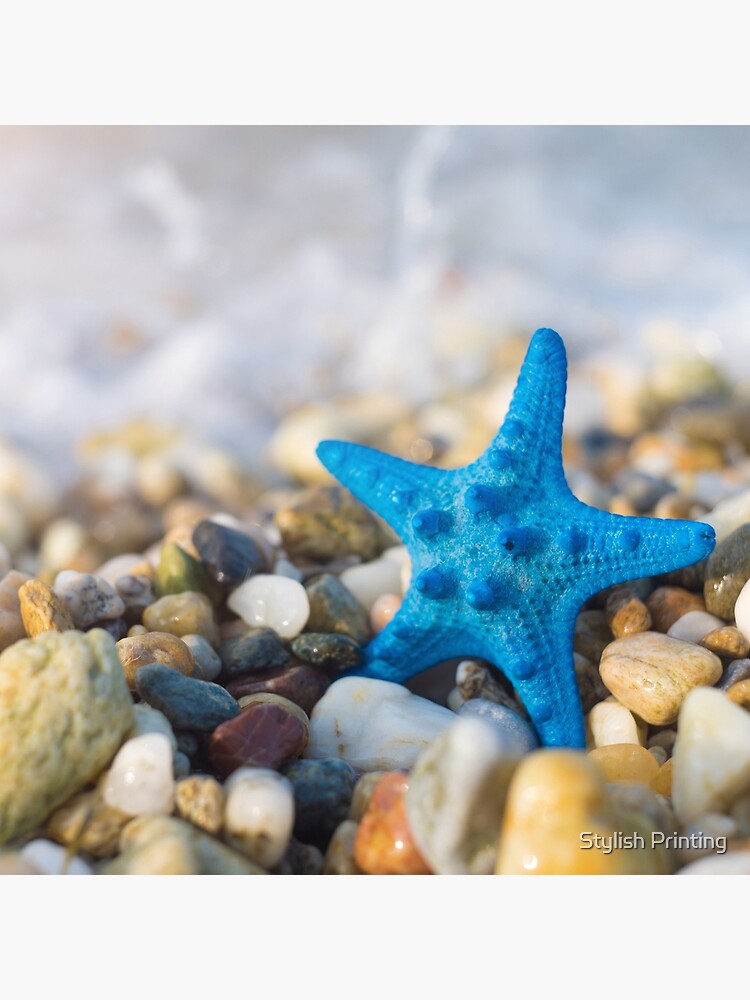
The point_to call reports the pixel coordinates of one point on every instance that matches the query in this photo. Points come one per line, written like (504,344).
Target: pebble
(339,857)
(272,601)
(383,610)
(611,722)
(667,604)
(370,580)
(626,613)
(626,762)
(384,843)
(140,779)
(42,610)
(662,783)
(739,693)
(52,859)
(736,671)
(12,627)
(180,765)
(301,683)
(727,572)
(363,789)
(515,735)
(147,719)
(327,649)
(374,725)
(711,758)
(300,859)
(741,611)
(138,651)
(187,613)
(207,663)
(727,641)
(694,625)
(229,555)
(651,673)
(477,680)
(729,514)
(120,567)
(197,706)
(456,795)
(259,814)
(13,863)
(262,735)
(333,608)
(85,822)
(256,649)
(326,523)
(178,571)
(137,594)
(64,710)
(322,797)
(89,599)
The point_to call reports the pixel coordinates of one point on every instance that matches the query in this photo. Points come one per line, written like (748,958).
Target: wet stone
(738,670)
(187,613)
(326,523)
(727,641)
(301,683)
(626,613)
(333,608)
(197,706)
(257,649)
(11,623)
(327,649)
(727,572)
(42,610)
(137,651)
(262,735)
(179,571)
(88,824)
(230,556)
(322,796)
(384,844)
(668,604)
(362,793)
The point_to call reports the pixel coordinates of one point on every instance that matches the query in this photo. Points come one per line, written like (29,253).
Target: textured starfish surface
(503,554)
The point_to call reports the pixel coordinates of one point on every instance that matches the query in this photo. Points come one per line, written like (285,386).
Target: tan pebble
(12,627)
(186,613)
(651,673)
(137,630)
(662,780)
(626,762)
(626,613)
(591,634)
(86,823)
(383,610)
(200,800)
(611,722)
(739,693)
(362,793)
(727,641)
(339,857)
(154,647)
(42,610)
(667,604)
(620,504)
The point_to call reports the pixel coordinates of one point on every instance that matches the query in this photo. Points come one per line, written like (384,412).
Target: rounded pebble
(272,601)
(140,779)
(259,814)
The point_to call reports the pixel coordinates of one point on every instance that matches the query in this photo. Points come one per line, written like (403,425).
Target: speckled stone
(322,796)
(187,613)
(208,665)
(516,736)
(333,608)
(89,598)
(301,683)
(477,680)
(200,800)
(327,649)
(230,556)
(626,763)
(727,641)
(736,671)
(138,651)
(178,571)
(727,572)
(339,857)
(87,823)
(591,634)
(64,710)
(256,649)
(384,844)
(262,735)
(197,706)
(626,613)
(667,604)
(42,610)
(12,627)
(326,523)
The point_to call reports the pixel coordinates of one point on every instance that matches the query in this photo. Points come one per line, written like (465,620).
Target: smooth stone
(371,580)
(736,671)
(282,567)
(198,706)
(456,797)
(739,693)
(272,601)
(269,698)
(741,611)
(662,782)
(516,735)
(557,805)
(52,859)
(322,796)
(259,814)
(651,673)
(301,683)
(327,649)
(42,610)
(711,758)
(200,800)
(179,571)
(120,566)
(187,613)
(140,779)
(64,710)
(374,725)
(89,598)
(229,555)
(384,610)
(137,593)
(729,514)
(88,824)
(180,765)
(12,627)
(694,625)
(339,857)
(256,649)
(207,662)
(384,844)
(626,613)
(666,604)
(333,608)
(187,742)
(626,762)
(138,651)
(147,719)
(727,641)
(727,572)
(611,722)
(262,735)
(326,523)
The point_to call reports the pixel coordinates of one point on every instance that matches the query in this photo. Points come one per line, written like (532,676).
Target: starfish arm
(392,487)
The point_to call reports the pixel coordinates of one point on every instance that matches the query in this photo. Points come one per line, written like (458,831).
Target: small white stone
(742,611)
(374,725)
(208,663)
(611,722)
(147,719)
(90,598)
(140,779)
(693,625)
(273,601)
(53,859)
(370,580)
(259,813)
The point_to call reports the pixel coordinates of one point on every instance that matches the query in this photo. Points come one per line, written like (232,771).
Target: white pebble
(259,813)
(208,663)
(742,611)
(693,625)
(370,580)
(611,722)
(141,779)
(274,601)
(147,719)
(53,859)
(90,598)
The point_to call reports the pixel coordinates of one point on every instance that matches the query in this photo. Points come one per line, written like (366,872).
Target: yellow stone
(662,782)
(154,647)
(42,610)
(626,762)
(739,693)
(187,613)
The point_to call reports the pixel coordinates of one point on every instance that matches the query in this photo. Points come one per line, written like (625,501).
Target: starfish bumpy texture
(503,554)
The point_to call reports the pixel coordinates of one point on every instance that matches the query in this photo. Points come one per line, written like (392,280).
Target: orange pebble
(384,844)
(384,608)
(662,783)
(626,762)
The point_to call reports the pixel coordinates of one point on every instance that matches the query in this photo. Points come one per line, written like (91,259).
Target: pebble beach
(178,606)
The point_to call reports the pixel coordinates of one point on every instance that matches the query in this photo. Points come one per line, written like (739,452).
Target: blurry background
(218,279)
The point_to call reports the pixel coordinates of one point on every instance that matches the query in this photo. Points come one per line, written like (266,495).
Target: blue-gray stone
(190,704)
(517,735)
(230,556)
(256,649)
(322,795)
(736,671)
(327,649)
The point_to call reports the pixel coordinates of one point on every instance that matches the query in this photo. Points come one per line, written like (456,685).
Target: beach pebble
(259,814)
(739,693)
(64,710)
(273,601)
(137,594)
(87,823)
(140,779)
(628,763)
(301,683)
(711,758)
(515,735)
(154,647)
(207,663)
(327,649)
(12,627)
(456,796)
(666,604)
(373,724)
(42,610)
(197,706)
(694,625)
(363,789)
(727,572)
(147,719)
(178,571)
(322,797)
(265,734)
(52,859)
(729,514)
(326,523)
(370,581)
(727,641)
(651,673)
(477,680)
(384,609)
(736,671)
(626,613)
(333,608)
(229,555)
(741,611)
(120,566)
(339,857)
(187,613)
(255,650)
(384,843)
(89,599)
(611,722)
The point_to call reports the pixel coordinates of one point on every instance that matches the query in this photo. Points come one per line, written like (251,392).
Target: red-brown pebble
(384,844)
(263,735)
(301,683)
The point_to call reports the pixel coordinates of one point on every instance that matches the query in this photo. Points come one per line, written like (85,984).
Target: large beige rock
(64,710)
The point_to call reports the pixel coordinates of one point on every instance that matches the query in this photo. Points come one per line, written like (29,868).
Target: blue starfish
(503,554)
